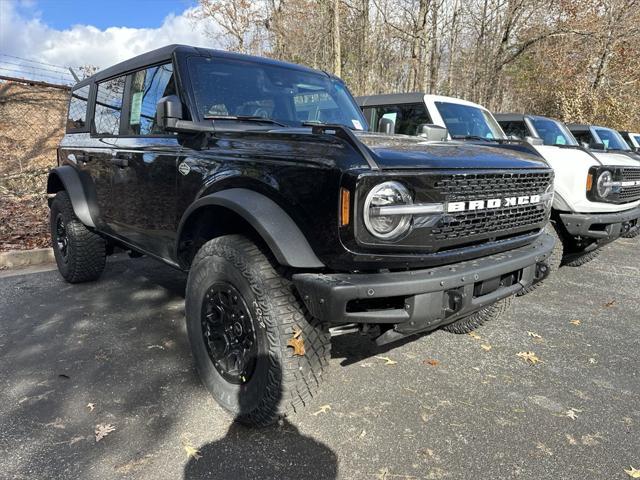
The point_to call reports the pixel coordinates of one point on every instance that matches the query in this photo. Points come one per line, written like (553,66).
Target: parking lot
(115,353)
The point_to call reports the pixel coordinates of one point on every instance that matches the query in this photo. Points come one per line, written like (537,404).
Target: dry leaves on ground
(102,430)
(575,322)
(485,347)
(432,362)
(387,360)
(632,472)
(297,342)
(534,335)
(192,452)
(474,335)
(529,357)
(91,406)
(610,304)
(323,409)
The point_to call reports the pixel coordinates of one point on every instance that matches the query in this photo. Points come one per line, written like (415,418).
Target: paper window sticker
(136,108)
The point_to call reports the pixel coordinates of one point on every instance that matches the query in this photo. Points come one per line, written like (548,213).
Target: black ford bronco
(258,178)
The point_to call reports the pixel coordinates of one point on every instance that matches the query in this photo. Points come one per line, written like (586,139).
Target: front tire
(241,316)
(475,320)
(79,252)
(553,262)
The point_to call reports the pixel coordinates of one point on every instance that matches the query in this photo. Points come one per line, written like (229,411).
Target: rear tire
(472,322)
(632,233)
(267,380)
(80,253)
(553,262)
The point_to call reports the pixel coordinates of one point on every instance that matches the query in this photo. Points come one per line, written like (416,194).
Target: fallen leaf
(543,448)
(571,413)
(159,347)
(632,472)
(431,362)
(610,304)
(91,406)
(575,322)
(387,360)
(485,347)
(192,452)
(102,430)
(534,335)
(529,357)
(297,342)
(571,439)
(323,409)
(362,433)
(592,361)
(474,335)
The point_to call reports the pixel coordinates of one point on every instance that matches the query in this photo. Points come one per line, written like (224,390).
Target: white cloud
(28,36)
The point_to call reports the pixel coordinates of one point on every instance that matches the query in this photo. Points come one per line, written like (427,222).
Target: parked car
(585,218)
(257,177)
(632,139)
(602,139)
(582,220)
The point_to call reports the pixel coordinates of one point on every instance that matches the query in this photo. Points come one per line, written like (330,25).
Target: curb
(26,258)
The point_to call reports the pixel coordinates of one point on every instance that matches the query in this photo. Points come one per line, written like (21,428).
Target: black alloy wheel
(228,333)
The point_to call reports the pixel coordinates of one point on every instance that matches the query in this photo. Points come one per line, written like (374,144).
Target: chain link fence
(32,122)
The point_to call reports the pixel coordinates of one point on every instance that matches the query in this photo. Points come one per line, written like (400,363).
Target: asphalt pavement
(114,353)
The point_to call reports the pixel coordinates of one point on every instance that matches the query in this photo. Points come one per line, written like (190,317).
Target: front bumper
(420,300)
(604,227)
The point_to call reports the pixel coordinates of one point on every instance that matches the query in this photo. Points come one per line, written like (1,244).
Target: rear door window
(147,87)
(515,128)
(77,117)
(109,106)
(406,118)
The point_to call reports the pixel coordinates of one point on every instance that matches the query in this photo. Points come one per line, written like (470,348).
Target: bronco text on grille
(502,203)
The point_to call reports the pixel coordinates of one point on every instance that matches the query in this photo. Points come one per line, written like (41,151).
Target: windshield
(230,88)
(637,139)
(552,132)
(469,121)
(612,140)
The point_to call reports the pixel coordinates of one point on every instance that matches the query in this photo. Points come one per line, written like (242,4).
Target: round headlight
(604,184)
(387,225)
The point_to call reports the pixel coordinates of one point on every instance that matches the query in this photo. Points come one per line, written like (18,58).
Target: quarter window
(515,128)
(109,106)
(77,117)
(147,87)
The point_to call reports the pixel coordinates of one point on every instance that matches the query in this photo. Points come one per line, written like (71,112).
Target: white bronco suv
(597,195)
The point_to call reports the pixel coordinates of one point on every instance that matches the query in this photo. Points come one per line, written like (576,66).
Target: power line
(4,62)
(32,61)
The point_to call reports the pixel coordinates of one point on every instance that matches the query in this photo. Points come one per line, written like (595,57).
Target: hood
(616,158)
(406,152)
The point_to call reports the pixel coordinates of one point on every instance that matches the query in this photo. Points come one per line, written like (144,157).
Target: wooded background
(577,60)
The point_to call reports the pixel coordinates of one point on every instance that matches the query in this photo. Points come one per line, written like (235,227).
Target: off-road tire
(472,322)
(632,233)
(579,259)
(553,262)
(282,382)
(84,258)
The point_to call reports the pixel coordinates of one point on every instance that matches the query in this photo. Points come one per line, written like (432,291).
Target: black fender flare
(273,224)
(68,178)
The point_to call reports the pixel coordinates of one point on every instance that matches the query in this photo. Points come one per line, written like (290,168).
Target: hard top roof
(165,54)
(413,97)
(514,117)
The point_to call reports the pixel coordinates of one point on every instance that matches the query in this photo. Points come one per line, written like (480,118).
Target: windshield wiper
(313,123)
(473,137)
(245,118)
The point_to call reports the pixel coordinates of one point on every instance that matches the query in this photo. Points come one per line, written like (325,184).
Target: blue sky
(72,33)
(63,14)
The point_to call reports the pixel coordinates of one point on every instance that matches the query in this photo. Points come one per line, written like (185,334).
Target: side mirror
(597,145)
(386,125)
(534,140)
(168,112)
(433,133)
